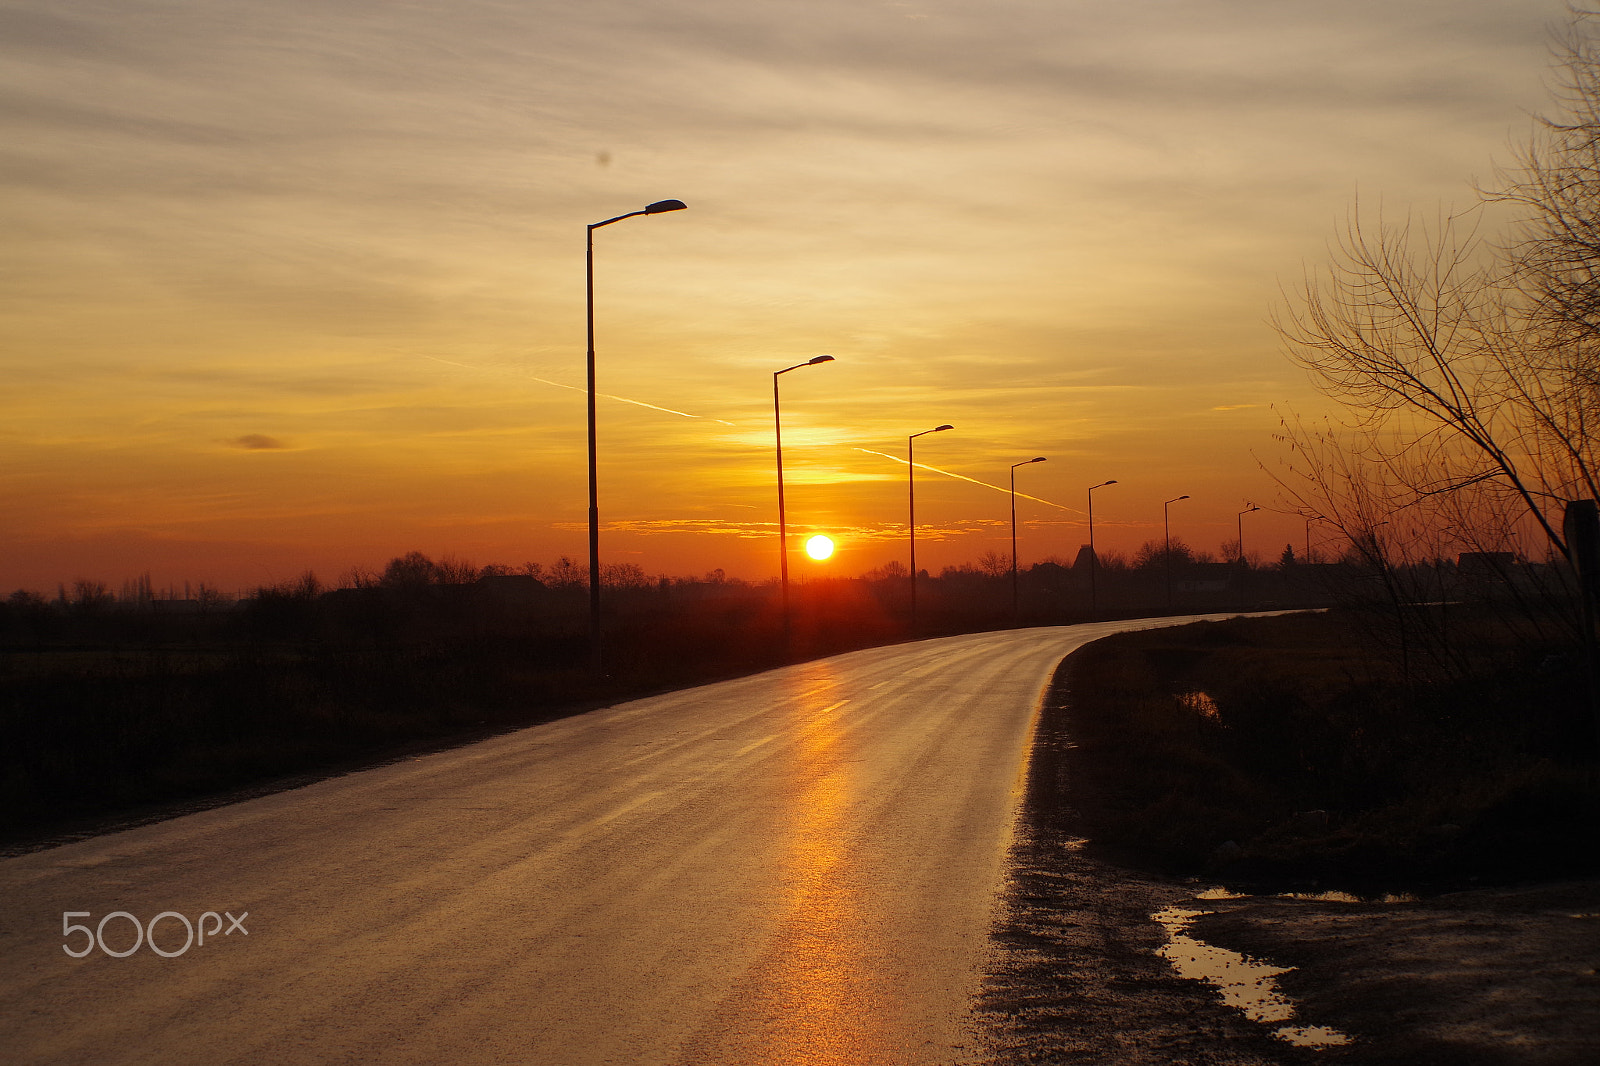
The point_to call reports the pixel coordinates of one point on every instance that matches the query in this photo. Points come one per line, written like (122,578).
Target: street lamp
(783,528)
(1308,535)
(1166,527)
(1371,537)
(1014,600)
(1241,515)
(911,497)
(1094,560)
(656,208)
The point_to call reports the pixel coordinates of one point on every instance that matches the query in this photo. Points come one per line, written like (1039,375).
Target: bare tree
(1556,183)
(1467,363)
(1154,555)
(994,564)
(624,576)
(893,570)
(1420,334)
(411,570)
(137,592)
(566,573)
(453,571)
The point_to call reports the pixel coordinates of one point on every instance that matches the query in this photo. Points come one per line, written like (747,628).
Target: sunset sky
(299,284)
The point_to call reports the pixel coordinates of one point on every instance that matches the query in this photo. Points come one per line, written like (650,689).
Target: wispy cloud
(693,526)
(887,531)
(257,442)
(716,527)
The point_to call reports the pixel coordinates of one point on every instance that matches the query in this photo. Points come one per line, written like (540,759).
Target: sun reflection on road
(819,989)
(817,977)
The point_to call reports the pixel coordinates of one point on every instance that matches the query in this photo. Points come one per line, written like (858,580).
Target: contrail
(636,403)
(607,395)
(975,481)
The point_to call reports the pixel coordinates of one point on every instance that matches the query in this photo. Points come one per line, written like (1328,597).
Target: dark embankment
(1297,751)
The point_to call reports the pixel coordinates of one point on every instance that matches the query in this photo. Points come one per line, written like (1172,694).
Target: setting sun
(819,547)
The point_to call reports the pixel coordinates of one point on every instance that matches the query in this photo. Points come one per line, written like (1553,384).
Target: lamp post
(1015,608)
(1241,515)
(1314,518)
(1166,527)
(1094,560)
(1371,538)
(656,208)
(783,528)
(911,498)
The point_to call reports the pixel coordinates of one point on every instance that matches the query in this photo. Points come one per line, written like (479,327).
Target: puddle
(1200,703)
(1243,983)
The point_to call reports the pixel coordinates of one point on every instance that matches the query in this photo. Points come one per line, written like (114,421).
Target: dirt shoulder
(1501,976)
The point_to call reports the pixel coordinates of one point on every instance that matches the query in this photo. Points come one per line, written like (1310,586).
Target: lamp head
(819,359)
(940,429)
(1180,498)
(1041,459)
(665,205)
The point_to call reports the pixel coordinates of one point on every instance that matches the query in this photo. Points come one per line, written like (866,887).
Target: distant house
(511,588)
(1485,566)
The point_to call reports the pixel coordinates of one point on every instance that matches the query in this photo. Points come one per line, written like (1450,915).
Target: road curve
(794,867)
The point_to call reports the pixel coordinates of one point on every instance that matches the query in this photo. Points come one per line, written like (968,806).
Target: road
(794,867)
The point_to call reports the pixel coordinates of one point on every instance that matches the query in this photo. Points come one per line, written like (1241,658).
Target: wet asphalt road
(795,867)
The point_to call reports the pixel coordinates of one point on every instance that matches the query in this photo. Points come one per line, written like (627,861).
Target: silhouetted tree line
(415,595)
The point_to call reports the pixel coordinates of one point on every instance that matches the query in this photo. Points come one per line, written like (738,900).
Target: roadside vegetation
(1299,752)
